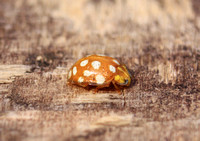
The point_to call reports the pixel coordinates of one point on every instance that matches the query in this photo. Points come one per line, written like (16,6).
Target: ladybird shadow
(133,78)
(111,88)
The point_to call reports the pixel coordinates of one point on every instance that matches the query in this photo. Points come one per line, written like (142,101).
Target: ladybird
(99,71)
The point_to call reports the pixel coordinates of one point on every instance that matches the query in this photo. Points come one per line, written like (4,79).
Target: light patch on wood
(96,98)
(113,120)
(167,72)
(9,72)
(19,115)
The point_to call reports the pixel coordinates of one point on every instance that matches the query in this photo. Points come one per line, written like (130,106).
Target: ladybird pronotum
(100,71)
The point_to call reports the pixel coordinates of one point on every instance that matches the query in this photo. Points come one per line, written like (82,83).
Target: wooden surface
(159,41)
(10,72)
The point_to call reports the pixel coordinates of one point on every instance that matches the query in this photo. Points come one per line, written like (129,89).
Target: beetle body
(100,71)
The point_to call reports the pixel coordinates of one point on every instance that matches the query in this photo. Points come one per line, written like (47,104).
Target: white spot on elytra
(87,73)
(100,79)
(83,63)
(112,68)
(80,79)
(96,64)
(74,71)
(69,74)
(116,61)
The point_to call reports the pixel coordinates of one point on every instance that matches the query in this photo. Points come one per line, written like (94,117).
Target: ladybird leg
(69,83)
(117,88)
(83,84)
(100,87)
(103,86)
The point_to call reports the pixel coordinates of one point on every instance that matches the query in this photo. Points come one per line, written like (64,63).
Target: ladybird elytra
(100,71)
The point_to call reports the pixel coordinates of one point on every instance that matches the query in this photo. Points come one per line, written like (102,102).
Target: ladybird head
(122,77)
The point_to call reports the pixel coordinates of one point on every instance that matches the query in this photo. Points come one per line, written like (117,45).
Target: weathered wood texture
(158,40)
(10,72)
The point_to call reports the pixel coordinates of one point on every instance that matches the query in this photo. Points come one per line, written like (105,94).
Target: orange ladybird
(100,71)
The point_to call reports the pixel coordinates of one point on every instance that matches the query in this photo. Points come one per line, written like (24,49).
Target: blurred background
(110,27)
